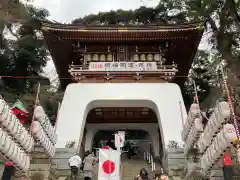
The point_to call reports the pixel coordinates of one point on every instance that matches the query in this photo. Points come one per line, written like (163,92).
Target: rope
(195,92)
(230,103)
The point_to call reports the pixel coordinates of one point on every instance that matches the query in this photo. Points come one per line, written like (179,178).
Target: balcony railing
(145,67)
(124,68)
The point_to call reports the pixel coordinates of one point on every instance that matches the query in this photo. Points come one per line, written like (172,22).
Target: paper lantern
(13,152)
(102,57)
(11,124)
(157,57)
(220,144)
(193,136)
(221,115)
(109,57)
(142,57)
(42,118)
(194,112)
(95,57)
(150,57)
(135,57)
(42,138)
(2,105)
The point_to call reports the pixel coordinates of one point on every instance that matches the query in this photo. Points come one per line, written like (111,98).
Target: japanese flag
(119,139)
(109,164)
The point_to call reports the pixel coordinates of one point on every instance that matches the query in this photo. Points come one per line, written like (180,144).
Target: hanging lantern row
(194,113)
(220,116)
(222,142)
(42,118)
(10,123)
(14,139)
(135,57)
(194,135)
(13,152)
(42,138)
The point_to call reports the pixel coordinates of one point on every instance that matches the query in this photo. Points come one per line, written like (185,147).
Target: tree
(167,12)
(223,23)
(25,53)
(70,144)
(173,145)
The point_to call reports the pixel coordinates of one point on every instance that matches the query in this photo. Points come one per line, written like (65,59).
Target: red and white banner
(109,164)
(119,139)
(123,66)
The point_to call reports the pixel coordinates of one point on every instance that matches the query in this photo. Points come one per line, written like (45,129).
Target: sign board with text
(123,66)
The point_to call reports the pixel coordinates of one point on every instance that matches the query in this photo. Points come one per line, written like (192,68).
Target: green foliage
(173,145)
(162,14)
(70,144)
(24,55)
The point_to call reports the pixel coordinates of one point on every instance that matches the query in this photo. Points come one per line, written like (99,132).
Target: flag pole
(36,101)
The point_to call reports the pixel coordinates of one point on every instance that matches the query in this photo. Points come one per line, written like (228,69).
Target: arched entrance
(103,120)
(81,98)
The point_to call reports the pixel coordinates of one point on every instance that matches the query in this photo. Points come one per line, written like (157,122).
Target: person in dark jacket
(9,171)
(143,175)
(227,166)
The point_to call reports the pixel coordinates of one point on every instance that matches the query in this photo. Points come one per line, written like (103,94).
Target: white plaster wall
(80,98)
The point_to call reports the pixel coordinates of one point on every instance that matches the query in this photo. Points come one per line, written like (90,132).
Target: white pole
(154,166)
(144,155)
(147,155)
(152,162)
(149,158)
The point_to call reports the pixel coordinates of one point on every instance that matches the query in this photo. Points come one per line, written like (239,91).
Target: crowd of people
(86,166)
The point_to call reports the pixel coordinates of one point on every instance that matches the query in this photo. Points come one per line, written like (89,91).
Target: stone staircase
(57,168)
(129,169)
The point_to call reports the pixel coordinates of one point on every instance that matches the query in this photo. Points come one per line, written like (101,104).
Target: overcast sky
(67,10)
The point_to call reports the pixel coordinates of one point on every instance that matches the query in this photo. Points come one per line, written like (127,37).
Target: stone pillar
(154,136)
(89,139)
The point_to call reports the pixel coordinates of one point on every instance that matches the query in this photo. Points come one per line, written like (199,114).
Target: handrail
(149,158)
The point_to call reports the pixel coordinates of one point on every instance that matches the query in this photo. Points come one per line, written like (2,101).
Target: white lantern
(102,57)
(150,57)
(109,57)
(95,57)
(157,57)
(142,57)
(135,57)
